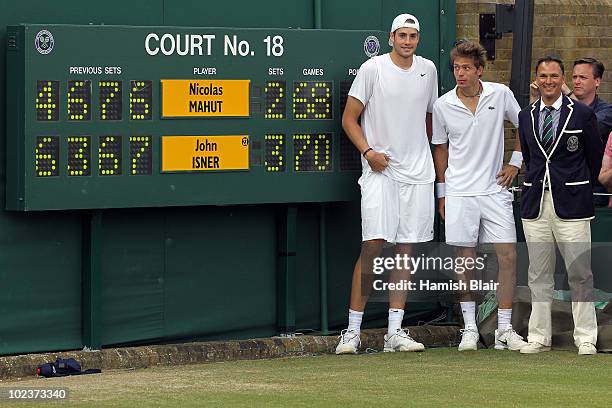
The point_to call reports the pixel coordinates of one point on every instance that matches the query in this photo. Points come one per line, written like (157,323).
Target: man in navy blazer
(562,153)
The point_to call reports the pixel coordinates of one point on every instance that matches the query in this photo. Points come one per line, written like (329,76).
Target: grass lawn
(434,378)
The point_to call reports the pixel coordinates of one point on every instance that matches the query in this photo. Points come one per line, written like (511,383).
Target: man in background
(587,77)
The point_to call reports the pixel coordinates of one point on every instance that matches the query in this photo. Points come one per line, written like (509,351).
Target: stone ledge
(12,367)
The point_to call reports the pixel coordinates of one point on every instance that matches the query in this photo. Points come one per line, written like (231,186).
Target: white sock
(468,309)
(395,320)
(504,316)
(355,321)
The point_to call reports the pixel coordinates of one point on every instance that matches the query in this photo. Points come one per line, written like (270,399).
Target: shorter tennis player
(473,199)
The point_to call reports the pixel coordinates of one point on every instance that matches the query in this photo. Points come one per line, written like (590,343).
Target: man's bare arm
(440,155)
(605,175)
(350,123)
(428,126)
(605,178)
(509,172)
(517,142)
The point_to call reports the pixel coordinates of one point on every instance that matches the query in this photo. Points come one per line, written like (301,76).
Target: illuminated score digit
(141,100)
(275,153)
(312,152)
(111,104)
(109,155)
(47,156)
(79,154)
(47,100)
(312,100)
(276,99)
(141,155)
(79,100)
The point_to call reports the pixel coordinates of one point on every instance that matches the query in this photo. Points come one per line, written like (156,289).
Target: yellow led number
(79,100)
(312,100)
(141,100)
(141,153)
(275,153)
(276,100)
(313,152)
(110,97)
(109,156)
(47,100)
(79,153)
(46,156)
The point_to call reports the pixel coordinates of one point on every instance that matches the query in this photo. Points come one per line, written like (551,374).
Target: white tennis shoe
(401,341)
(509,340)
(469,340)
(349,342)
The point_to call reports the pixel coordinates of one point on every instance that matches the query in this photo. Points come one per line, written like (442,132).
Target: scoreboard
(121,116)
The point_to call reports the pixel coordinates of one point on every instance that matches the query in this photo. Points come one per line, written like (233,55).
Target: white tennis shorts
(394,211)
(485,219)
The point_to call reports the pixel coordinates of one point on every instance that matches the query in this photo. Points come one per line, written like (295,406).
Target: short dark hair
(469,49)
(597,66)
(550,58)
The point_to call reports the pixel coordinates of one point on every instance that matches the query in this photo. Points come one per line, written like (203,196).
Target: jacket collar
(556,104)
(567,108)
(596,102)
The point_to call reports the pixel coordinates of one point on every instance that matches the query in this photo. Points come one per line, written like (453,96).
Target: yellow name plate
(204,153)
(205,98)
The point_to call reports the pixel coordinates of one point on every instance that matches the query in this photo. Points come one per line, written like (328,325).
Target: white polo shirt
(475,141)
(396,102)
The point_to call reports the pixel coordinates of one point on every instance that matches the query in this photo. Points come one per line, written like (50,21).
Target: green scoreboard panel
(118,116)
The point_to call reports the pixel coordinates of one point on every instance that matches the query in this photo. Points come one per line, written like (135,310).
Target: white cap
(400,22)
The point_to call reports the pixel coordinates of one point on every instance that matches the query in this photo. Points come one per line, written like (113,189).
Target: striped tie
(548,134)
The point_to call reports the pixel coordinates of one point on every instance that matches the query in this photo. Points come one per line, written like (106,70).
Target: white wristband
(440,190)
(517,159)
